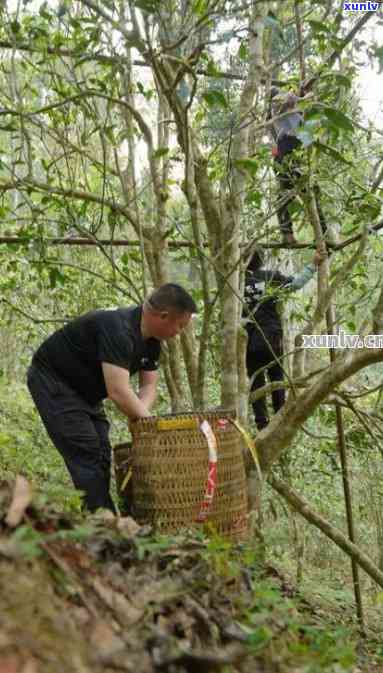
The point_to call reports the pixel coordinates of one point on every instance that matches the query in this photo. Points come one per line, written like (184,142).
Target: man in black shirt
(264,327)
(91,358)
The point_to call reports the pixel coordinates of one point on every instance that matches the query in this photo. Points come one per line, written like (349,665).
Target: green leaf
(44,11)
(249,165)
(330,151)
(109,132)
(341,80)
(243,51)
(294,208)
(313,112)
(148,6)
(140,87)
(368,205)
(378,53)
(161,152)
(199,7)
(350,227)
(4,439)
(339,119)
(255,198)
(213,68)
(215,97)
(259,638)
(319,27)
(27,541)
(58,40)
(53,277)
(15,26)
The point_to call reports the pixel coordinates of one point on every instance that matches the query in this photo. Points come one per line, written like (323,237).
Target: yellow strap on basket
(250,445)
(177,424)
(126,479)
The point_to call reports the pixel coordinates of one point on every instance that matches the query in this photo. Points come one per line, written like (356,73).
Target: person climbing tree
(264,327)
(287,159)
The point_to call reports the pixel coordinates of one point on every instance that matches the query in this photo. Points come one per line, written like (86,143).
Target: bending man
(91,358)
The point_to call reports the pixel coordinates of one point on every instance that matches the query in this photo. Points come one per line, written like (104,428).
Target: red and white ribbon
(212,472)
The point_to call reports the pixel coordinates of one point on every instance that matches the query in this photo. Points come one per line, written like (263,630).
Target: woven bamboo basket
(162,477)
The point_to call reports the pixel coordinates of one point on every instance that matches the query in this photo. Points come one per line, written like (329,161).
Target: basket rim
(198,414)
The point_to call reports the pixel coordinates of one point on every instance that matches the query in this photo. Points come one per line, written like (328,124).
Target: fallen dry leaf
(104,642)
(128,526)
(126,612)
(5,640)
(21,498)
(9,663)
(30,666)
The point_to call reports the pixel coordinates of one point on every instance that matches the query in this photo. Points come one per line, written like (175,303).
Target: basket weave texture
(169,470)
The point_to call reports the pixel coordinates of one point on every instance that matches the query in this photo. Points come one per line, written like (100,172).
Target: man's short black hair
(172,297)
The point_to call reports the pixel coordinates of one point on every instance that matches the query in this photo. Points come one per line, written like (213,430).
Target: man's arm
(303,278)
(117,383)
(148,387)
(289,101)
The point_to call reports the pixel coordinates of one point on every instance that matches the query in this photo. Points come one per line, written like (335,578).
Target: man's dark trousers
(268,354)
(79,431)
(288,170)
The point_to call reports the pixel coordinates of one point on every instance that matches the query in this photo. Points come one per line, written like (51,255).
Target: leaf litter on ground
(101,593)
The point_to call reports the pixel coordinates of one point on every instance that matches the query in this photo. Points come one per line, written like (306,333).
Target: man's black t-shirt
(261,303)
(75,352)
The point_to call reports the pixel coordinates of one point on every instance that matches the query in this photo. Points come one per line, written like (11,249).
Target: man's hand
(117,383)
(290,101)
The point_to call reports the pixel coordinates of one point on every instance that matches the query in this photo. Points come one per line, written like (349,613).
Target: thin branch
(59,51)
(37,321)
(131,36)
(119,60)
(70,193)
(329,62)
(298,25)
(84,269)
(352,550)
